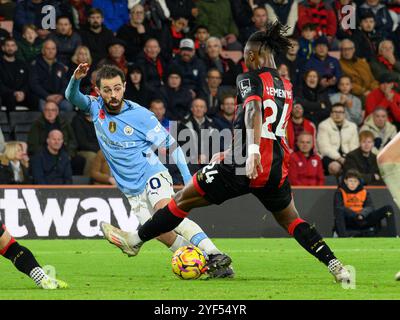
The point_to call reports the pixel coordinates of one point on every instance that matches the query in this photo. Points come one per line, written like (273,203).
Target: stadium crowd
(181,59)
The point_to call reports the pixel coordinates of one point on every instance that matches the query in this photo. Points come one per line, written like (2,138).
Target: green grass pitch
(265,269)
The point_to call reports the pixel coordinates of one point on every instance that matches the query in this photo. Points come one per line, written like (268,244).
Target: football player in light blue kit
(127,134)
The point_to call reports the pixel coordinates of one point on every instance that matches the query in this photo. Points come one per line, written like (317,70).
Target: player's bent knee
(5,239)
(161,204)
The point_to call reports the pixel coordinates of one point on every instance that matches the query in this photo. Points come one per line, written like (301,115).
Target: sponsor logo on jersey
(112,126)
(244,87)
(128,130)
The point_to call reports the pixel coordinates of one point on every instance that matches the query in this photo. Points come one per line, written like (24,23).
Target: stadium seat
(23,117)
(331,181)
(79,180)
(21,122)
(21,108)
(68,115)
(21,136)
(5,126)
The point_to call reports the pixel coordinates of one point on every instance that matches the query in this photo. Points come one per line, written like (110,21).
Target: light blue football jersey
(126,140)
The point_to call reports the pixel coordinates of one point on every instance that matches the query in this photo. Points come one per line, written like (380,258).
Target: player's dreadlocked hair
(273,38)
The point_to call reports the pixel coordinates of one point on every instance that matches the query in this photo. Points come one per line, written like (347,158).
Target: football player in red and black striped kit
(264,104)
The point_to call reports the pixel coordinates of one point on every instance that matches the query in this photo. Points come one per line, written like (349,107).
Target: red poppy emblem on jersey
(102,115)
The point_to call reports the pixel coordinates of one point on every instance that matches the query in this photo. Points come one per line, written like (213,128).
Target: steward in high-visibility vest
(354,211)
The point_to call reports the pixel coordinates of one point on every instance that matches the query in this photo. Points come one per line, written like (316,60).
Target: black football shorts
(219,182)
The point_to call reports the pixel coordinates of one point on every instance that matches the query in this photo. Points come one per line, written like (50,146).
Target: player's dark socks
(21,257)
(163,220)
(309,238)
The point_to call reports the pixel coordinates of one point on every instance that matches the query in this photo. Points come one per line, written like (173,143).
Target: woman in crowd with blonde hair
(82,55)
(14,164)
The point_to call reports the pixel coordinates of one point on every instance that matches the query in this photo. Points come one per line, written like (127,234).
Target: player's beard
(115,108)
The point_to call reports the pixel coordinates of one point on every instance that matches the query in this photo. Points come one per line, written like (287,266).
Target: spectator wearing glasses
(50,120)
(335,138)
(212,92)
(357,69)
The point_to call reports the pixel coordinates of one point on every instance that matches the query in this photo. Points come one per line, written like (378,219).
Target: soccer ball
(188,262)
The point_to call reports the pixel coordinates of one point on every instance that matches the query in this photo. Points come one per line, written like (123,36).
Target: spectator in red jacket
(384,96)
(306,167)
(319,13)
(297,124)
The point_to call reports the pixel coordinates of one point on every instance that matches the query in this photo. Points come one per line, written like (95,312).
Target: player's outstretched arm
(253,122)
(73,94)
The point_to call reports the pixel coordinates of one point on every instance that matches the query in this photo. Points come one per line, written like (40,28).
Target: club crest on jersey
(112,126)
(314,163)
(244,86)
(128,130)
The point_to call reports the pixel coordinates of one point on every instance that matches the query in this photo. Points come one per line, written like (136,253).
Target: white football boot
(121,239)
(340,273)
